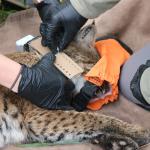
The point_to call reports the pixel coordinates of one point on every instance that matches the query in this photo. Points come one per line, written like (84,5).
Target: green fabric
(92,8)
(66,142)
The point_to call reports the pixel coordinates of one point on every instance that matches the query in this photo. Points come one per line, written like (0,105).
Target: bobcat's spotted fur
(23,122)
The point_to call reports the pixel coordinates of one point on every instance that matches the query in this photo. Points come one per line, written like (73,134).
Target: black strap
(125,46)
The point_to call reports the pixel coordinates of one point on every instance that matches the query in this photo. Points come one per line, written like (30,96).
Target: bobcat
(23,122)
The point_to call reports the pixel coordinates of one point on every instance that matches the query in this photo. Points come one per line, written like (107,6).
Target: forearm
(9,72)
(92,8)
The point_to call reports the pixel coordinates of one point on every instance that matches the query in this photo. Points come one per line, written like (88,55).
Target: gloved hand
(44,85)
(47,8)
(60,25)
(113,56)
(87,92)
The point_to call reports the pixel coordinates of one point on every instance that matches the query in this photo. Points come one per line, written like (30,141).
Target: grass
(6,9)
(3,16)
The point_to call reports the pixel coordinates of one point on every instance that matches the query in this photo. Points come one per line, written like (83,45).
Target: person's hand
(47,8)
(87,93)
(45,86)
(61,22)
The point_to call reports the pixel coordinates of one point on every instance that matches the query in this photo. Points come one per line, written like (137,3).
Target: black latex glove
(60,24)
(45,86)
(47,9)
(87,92)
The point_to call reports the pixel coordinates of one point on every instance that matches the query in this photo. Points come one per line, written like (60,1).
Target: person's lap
(129,70)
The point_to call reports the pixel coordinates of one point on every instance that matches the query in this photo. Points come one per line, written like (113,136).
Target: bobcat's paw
(115,142)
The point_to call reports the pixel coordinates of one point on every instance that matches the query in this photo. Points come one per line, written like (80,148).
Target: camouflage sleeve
(92,8)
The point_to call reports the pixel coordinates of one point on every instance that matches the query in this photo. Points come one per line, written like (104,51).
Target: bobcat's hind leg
(115,142)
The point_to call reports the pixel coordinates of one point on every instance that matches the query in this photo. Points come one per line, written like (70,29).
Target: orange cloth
(113,56)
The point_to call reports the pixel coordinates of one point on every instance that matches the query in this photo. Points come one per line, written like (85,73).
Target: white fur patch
(11,135)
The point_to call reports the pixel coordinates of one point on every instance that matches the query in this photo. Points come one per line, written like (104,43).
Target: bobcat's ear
(85,41)
(86,35)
